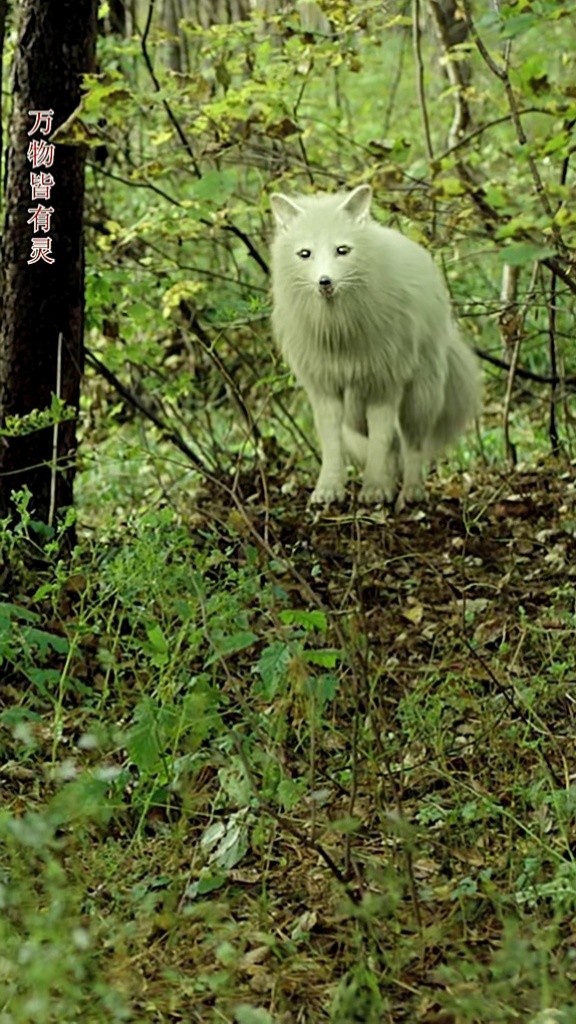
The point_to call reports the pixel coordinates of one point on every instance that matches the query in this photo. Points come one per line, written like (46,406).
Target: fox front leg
(380,481)
(328,417)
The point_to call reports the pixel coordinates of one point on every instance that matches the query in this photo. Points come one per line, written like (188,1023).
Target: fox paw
(373,495)
(410,496)
(326,494)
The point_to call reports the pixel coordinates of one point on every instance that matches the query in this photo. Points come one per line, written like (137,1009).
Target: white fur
(364,321)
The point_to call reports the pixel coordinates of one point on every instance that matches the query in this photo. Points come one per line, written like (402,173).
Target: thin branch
(171,117)
(55,431)
(416,44)
(508,443)
(556,267)
(491,221)
(98,169)
(538,378)
(508,690)
(455,69)
(552,423)
(252,251)
(395,83)
(208,347)
(518,336)
(568,128)
(502,73)
(495,68)
(131,399)
(553,426)
(295,109)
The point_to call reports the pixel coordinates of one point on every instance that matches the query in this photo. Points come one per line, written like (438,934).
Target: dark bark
(217,12)
(115,22)
(176,46)
(118,17)
(43,302)
(3,19)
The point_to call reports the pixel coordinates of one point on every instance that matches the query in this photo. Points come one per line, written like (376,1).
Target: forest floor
(295,767)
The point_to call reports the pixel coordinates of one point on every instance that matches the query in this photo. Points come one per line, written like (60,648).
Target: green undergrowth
(265,766)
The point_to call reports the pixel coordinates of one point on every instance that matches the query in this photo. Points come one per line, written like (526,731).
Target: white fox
(363,318)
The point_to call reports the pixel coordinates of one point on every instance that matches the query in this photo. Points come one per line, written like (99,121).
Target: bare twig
(208,347)
(171,117)
(54,466)
(502,73)
(552,423)
(476,132)
(553,427)
(252,251)
(513,365)
(395,83)
(508,318)
(307,841)
(133,400)
(508,690)
(565,276)
(455,70)
(509,445)
(495,68)
(416,44)
(295,112)
(538,378)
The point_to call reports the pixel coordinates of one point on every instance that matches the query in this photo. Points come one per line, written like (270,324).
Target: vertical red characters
(41,154)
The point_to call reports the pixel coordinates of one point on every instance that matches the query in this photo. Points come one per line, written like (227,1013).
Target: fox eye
(304,254)
(343,250)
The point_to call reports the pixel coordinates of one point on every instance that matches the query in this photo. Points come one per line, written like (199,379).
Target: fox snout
(326,286)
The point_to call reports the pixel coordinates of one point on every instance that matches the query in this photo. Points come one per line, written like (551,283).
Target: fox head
(317,240)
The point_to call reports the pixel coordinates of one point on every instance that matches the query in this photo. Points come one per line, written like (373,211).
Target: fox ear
(357,203)
(284,209)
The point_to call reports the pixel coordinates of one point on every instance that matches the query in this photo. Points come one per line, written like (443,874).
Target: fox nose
(325,282)
(326,286)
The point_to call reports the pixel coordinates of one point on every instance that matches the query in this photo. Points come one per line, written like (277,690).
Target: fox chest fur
(333,346)
(355,304)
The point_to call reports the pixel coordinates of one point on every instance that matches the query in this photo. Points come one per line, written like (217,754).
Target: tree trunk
(172,15)
(3,19)
(453,30)
(42,319)
(117,18)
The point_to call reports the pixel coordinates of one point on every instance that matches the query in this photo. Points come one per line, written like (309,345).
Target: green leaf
(206,884)
(142,740)
(245,1014)
(43,641)
(215,186)
(9,611)
(518,25)
(156,638)
(289,793)
(309,620)
(199,712)
(327,658)
(519,253)
(226,842)
(230,644)
(157,646)
(43,677)
(450,187)
(272,666)
(323,688)
(84,799)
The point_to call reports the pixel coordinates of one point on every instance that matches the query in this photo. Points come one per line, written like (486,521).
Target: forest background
(264,765)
